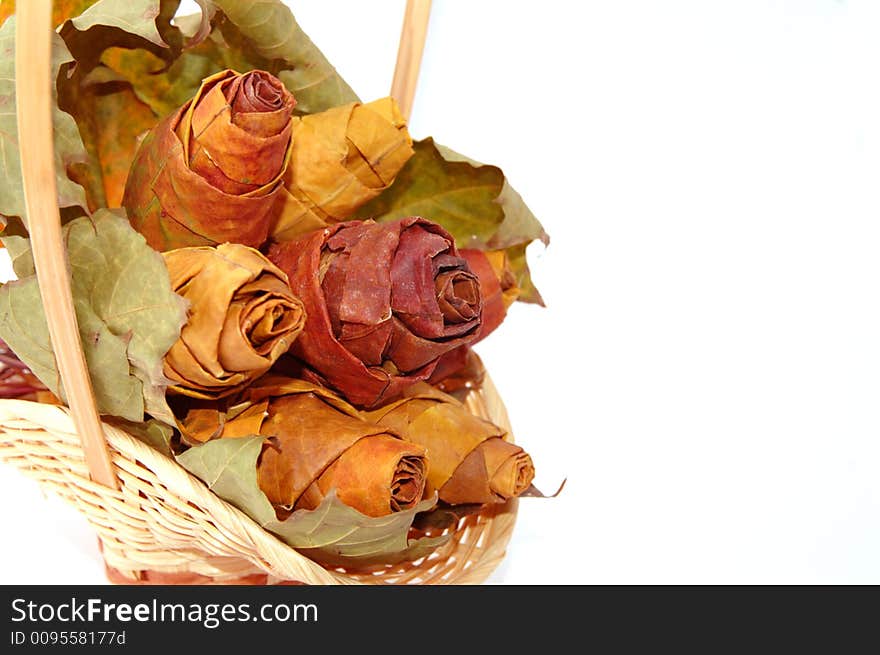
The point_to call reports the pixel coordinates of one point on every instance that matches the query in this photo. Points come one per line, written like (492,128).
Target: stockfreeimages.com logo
(209,615)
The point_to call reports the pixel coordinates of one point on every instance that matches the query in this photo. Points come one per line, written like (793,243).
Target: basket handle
(33,98)
(409,54)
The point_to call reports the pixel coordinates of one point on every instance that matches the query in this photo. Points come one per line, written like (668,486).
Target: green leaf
(268,29)
(69,147)
(126,284)
(23,326)
(359,540)
(474,201)
(332,532)
(229,468)
(154,433)
(520,225)
(456,194)
(128,317)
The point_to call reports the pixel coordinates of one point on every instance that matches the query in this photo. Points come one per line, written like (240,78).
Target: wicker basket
(157,523)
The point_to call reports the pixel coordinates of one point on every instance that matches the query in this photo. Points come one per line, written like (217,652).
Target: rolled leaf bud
(211,172)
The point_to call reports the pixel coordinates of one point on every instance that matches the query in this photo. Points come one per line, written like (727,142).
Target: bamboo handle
(409,53)
(33,98)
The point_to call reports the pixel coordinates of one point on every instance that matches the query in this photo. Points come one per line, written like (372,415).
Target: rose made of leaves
(340,158)
(319,445)
(242,317)
(210,172)
(384,303)
(316,445)
(470,459)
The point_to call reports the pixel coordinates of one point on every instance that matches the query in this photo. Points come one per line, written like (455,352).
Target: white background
(707,371)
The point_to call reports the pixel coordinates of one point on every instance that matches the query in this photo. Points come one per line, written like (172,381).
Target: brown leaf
(322,445)
(534,492)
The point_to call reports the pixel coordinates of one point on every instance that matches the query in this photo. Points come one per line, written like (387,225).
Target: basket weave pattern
(164,520)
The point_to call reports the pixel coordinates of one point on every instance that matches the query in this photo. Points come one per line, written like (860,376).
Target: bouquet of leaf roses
(274,284)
